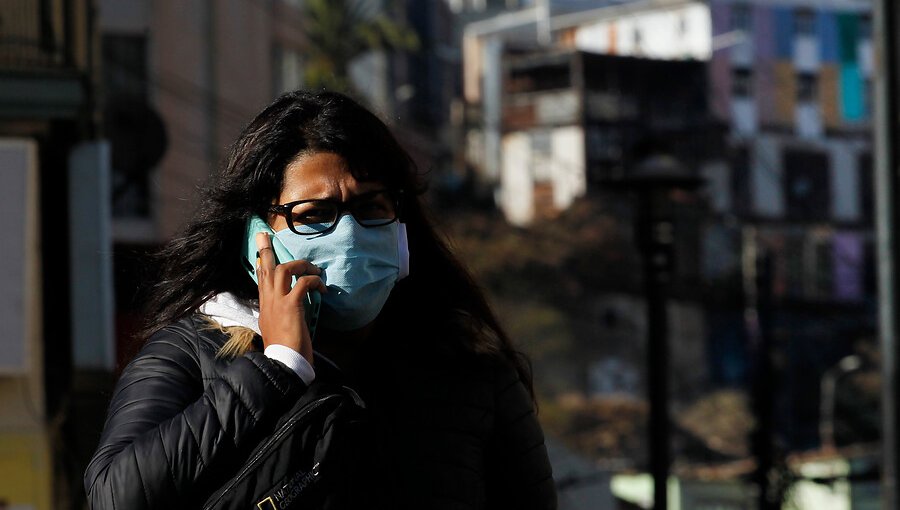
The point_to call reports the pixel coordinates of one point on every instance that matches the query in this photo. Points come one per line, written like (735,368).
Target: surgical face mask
(359,266)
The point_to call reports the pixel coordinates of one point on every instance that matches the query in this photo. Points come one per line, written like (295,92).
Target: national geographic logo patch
(284,496)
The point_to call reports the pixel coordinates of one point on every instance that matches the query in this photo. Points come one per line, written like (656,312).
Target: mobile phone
(255,225)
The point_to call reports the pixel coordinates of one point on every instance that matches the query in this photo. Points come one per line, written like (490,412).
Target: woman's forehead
(322,175)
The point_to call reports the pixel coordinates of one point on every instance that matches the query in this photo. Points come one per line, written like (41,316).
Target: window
(865,27)
(541,155)
(604,143)
(741,18)
(794,265)
(806,185)
(804,22)
(136,132)
(822,274)
(742,82)
(807,88)
(125,66)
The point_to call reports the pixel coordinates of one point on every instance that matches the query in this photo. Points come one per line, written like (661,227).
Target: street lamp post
(887,184)
(652,183)
(828,398)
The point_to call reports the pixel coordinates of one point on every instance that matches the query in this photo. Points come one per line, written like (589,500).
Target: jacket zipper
(312,406)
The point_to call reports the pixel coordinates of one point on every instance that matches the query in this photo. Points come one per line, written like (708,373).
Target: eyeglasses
(309,217)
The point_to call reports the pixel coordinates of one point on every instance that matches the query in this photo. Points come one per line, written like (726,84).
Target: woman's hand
(281,314)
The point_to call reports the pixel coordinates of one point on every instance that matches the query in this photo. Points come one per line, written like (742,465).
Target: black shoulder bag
(315,458)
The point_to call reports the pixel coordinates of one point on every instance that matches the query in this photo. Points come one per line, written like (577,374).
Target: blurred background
(672,204)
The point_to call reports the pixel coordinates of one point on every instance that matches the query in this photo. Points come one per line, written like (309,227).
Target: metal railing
(36,35)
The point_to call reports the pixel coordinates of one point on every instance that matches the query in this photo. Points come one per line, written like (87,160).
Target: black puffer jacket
(456,436)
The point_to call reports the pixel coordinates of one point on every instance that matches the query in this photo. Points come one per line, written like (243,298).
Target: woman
(451,399)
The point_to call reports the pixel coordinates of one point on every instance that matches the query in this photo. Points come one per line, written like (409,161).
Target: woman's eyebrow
(362,188)
(322,195)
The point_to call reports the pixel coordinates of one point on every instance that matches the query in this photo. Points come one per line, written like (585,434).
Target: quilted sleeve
(165,433)
(519,472)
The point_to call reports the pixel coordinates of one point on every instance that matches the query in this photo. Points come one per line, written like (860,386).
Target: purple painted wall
(847,249)
(764,32)
(764,80)
(721,18)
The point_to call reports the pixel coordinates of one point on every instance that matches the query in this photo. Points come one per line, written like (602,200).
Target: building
(198,72)
(561,102)
(557,105)
(55,287)
(796,90)
(655,32)
(793,79)
(572,120)
(180,80)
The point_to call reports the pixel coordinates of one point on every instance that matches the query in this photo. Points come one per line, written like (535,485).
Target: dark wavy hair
(204,259)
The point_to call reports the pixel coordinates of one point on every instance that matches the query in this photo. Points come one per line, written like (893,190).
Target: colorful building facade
(793,80)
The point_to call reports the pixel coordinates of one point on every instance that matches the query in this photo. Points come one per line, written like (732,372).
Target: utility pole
(652,183)
(656,236)
(757,270)
(887,118)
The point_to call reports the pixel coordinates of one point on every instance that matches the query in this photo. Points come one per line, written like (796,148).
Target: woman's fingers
(271,274)
(285,272)
(265,264)
(300,267)
(280,307)
(306,284)
(266,254)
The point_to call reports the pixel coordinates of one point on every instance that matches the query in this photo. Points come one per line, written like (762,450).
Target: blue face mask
(359,266)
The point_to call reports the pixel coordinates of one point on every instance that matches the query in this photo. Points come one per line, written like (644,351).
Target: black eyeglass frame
(395,195)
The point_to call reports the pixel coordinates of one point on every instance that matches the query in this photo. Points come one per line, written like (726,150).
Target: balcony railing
(36,35)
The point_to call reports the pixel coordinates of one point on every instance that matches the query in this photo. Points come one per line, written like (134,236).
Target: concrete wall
(213,73)
(563,169)
(568,172)
(682,32)
(516,180)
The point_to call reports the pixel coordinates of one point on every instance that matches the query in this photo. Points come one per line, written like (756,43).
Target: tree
(341,30)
